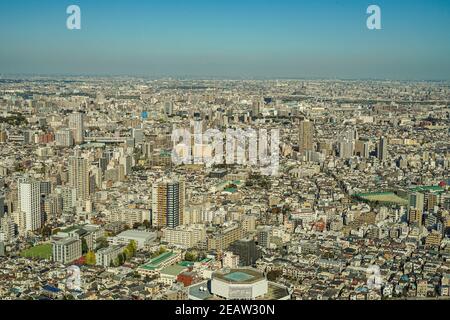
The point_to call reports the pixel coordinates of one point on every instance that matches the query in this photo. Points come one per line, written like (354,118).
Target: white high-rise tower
(79,176)
(76,124)
(30,203)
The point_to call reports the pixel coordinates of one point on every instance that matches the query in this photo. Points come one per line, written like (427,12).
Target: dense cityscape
(93,205)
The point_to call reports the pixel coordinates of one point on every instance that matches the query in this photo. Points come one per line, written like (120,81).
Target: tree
(46,231)
(90,258)
(159,252)
(84,246)
(132,247)
(147,224)
(120,259)
(136,225)
(190,256)
(127,254)
(273,275)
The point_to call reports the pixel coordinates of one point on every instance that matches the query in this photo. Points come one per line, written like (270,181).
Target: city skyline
(229,154)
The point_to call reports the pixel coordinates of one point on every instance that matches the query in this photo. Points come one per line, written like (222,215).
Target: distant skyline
(228,39)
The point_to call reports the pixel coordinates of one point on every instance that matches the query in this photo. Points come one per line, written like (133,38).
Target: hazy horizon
(230,40)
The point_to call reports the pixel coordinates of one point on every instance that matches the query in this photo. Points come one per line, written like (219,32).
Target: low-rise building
(104,257)
(66,250)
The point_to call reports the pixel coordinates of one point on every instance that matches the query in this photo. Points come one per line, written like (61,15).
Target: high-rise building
(138,135)
(64,138)
(79,176)
(257,106)
(382,152)
(346,148)
(76,124)
(306,133)
(430,201)
(168,108)
(2,206)
(362,149)
(8,229)
(68,198)
(168,199)
(126,161)
(46,188)
(416,200)
(415,217)
(3,136)
(29,195)
(263,236)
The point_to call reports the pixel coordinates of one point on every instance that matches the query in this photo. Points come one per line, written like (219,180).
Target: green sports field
(383,197)
(43,251)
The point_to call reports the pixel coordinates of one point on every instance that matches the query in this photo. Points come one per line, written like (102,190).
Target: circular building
(239,284)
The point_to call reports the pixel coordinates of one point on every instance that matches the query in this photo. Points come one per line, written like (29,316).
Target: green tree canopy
(90,258)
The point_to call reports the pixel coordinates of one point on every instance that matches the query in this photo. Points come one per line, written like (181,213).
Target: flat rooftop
(156,262)
(143,235)
(174,270)
(201,291)
(275,292)
(239,276)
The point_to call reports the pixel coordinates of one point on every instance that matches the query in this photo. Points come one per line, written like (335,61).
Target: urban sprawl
(94,207)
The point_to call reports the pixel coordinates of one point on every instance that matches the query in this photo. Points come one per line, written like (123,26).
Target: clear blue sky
(233,38)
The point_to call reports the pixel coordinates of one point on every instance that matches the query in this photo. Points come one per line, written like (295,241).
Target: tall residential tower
(168,198)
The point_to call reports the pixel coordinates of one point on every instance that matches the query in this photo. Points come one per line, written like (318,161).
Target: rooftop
(173,270)
(142,235)
(239,275)
(155,263)
(201,291)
